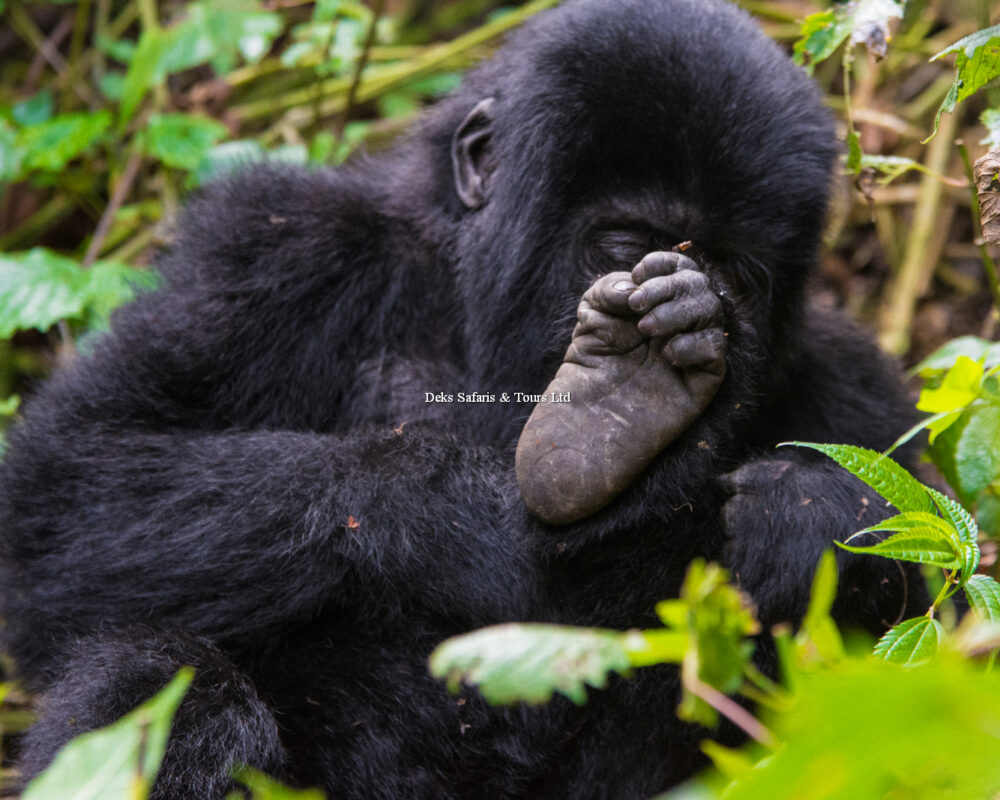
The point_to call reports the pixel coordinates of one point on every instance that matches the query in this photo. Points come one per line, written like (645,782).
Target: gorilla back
(227,480)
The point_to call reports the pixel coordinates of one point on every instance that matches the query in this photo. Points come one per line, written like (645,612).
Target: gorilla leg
(221,722)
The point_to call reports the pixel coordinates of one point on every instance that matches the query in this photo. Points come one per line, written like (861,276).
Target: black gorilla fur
(227,481)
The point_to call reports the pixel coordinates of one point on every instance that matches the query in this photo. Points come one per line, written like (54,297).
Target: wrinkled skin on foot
(646,358)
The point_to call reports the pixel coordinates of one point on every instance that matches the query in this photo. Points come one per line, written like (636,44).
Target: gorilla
(525,366)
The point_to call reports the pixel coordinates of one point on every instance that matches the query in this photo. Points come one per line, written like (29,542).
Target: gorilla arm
(646,359)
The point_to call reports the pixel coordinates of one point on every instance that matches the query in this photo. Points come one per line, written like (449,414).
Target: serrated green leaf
(527,663)
(37,289)
(983,594)
(180,140)
(119,761)
(966,528)
(51,145)
(880,472)
(912,641)
(921,546)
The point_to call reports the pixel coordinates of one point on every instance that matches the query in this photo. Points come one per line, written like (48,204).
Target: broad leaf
(984,597)
(911,642)
(51,145)
(960,387)
(977,62)
(972,347)
(527,663)
(180,140)
(880,472)
(977,452)
(119,761)
(37,289)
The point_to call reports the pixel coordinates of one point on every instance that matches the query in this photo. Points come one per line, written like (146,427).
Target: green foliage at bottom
(868,730)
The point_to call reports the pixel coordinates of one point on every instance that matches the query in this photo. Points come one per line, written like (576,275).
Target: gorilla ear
(470,157)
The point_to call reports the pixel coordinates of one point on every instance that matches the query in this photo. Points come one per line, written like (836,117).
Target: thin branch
(731,710)
(118,196)
(352,93)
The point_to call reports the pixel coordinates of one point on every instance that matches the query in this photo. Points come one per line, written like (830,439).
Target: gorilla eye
(622,247)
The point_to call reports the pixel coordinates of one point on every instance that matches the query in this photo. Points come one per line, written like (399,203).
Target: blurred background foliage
(111,111)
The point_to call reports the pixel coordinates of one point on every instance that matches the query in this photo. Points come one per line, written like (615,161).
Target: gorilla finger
(705,349)
(619,334)
(682,316)
(685,282)
(610,293)
(660,263)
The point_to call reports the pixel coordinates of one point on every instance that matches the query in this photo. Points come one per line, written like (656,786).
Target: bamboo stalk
(922,252)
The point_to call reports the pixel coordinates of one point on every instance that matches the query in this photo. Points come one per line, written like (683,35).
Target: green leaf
(917,541)
(891,167)
(230,158)
(143,71)
(35,110)
(854,152)
(819,634)
(119,761)
(880,472)
(37,289)
(51,145)
(912,641)
(983,594)
(977,63)
(216,32)
(110,284)
(719,618)
(11,155)
(180,140)
(991,121)
(864,21)
(264,788)
(527,663)
(966,528)
(944,358)
(820,36)
(977,451)
(869,729)
(961,386)
(8,408)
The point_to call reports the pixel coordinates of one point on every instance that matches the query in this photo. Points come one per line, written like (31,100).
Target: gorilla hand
(646,359)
